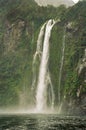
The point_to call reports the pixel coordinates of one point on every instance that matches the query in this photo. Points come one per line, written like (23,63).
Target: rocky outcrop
(82,75)
(82,65)
(12,35)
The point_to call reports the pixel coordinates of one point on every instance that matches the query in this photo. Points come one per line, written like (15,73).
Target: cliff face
(75,73)
(12,63)
(12,35)
(19,30)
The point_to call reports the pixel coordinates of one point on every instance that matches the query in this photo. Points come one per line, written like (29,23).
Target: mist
(55,2)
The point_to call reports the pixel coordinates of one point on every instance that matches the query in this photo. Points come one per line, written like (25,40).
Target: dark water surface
(41,122)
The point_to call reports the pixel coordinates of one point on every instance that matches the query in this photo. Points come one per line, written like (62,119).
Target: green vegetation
(19,27)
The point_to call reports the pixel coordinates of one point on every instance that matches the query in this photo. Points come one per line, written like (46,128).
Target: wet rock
(12,35)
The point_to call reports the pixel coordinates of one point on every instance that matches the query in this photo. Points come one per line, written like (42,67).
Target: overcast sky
(55,2)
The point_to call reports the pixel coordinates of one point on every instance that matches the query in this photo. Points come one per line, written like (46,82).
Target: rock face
(12,35)
(55,2)
(18,39)
(82,64)
(76,105)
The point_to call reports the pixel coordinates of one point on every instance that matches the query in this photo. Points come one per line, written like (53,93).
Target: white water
(61,67)
(41,93)
(51,93)
(37,54)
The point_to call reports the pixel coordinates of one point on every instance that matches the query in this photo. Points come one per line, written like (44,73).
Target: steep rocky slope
(19,28)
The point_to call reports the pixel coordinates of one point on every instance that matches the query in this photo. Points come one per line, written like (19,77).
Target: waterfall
(61,67)
(51,93)
(44,76)
(37,54)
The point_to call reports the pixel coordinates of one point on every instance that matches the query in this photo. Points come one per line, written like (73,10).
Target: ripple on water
(42,122)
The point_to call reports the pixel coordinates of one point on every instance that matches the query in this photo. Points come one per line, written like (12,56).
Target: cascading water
(41,96)
(37,54)
(44,79)
(51,93)
(61,67)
